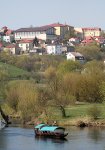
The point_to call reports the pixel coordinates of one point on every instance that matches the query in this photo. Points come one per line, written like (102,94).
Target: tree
(23,96)
(69,66)
(69,34)
(90,51)
(60,96)
(94,67)
(12,95)
(35,42)
(3,81)
(89,84)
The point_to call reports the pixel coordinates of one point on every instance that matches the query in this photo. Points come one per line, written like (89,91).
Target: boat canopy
(39,126)
(50,128)
(45,127)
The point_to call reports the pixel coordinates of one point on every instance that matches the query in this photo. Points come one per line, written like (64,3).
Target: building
(75,56)
(25,45)
(54,49)
(12,49)
(60,29)
(91,32)
(42,33)
(8,38)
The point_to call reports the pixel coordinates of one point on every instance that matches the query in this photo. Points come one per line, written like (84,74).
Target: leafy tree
(69,34)
(94,67)
(12,95)
(22,96)
(3,81)
(90,51)
(35,42)
(60,96)
(69,66)
(90,81)
(94,112)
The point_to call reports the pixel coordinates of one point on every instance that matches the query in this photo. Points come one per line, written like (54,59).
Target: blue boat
(50,131)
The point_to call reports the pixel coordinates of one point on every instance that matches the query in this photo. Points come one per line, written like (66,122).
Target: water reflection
(78,139)
(53,140)
(95,134)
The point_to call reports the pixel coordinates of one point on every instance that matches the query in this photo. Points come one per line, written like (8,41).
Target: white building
(75,56)
(54,49)
(43,33)
(8,38)
(25,45)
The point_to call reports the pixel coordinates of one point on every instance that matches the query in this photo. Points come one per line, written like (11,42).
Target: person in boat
(54,123)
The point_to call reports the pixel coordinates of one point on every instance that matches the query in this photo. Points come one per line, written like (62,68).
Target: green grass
(14,72)
(77,111)
(83,110)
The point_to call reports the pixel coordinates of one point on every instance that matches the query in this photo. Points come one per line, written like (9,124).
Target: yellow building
(91,32)
(61,29)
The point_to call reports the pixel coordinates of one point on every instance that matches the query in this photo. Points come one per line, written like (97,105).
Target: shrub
(94,112)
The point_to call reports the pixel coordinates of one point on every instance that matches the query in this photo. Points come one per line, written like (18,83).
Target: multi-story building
(91,32)
(43,33)
(60,29)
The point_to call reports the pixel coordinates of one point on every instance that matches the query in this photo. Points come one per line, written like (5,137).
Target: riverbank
(83,122)
(76,115)
(77,122)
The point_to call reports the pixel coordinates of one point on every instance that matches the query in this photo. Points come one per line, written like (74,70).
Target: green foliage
(69,66)
(22,96)
(3,80)
(102,90)
(90,82)
(94,112)
(94,67)
(90,51)
(88,88)
(13,72)
(69,34)
(59,90)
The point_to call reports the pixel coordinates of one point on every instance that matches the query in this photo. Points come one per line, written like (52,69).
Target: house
(6,34)
(39,51)
(42,33)
(8,38)
(67,48)
(25,45)
(75,56)
(54,49)
(12,49)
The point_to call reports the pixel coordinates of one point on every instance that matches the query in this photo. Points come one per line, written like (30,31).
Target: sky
(16,14)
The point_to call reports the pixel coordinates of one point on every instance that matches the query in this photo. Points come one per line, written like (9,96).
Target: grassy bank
(75,114)
(14,72)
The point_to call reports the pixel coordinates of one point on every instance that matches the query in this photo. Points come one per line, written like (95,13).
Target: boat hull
(51,134)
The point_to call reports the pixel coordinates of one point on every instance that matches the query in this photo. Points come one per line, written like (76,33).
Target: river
(18,138)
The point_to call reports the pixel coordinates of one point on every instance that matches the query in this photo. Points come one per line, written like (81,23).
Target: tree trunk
(63,111)
(5,117)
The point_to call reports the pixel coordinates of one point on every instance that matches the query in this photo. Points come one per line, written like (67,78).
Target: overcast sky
(78,13)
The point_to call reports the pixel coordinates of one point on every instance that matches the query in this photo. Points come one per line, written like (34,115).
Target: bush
(94,112)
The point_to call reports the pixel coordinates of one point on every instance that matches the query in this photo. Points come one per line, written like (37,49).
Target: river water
(17,138)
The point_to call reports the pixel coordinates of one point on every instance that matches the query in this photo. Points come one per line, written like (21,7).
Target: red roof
(56,25)
(89,28)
